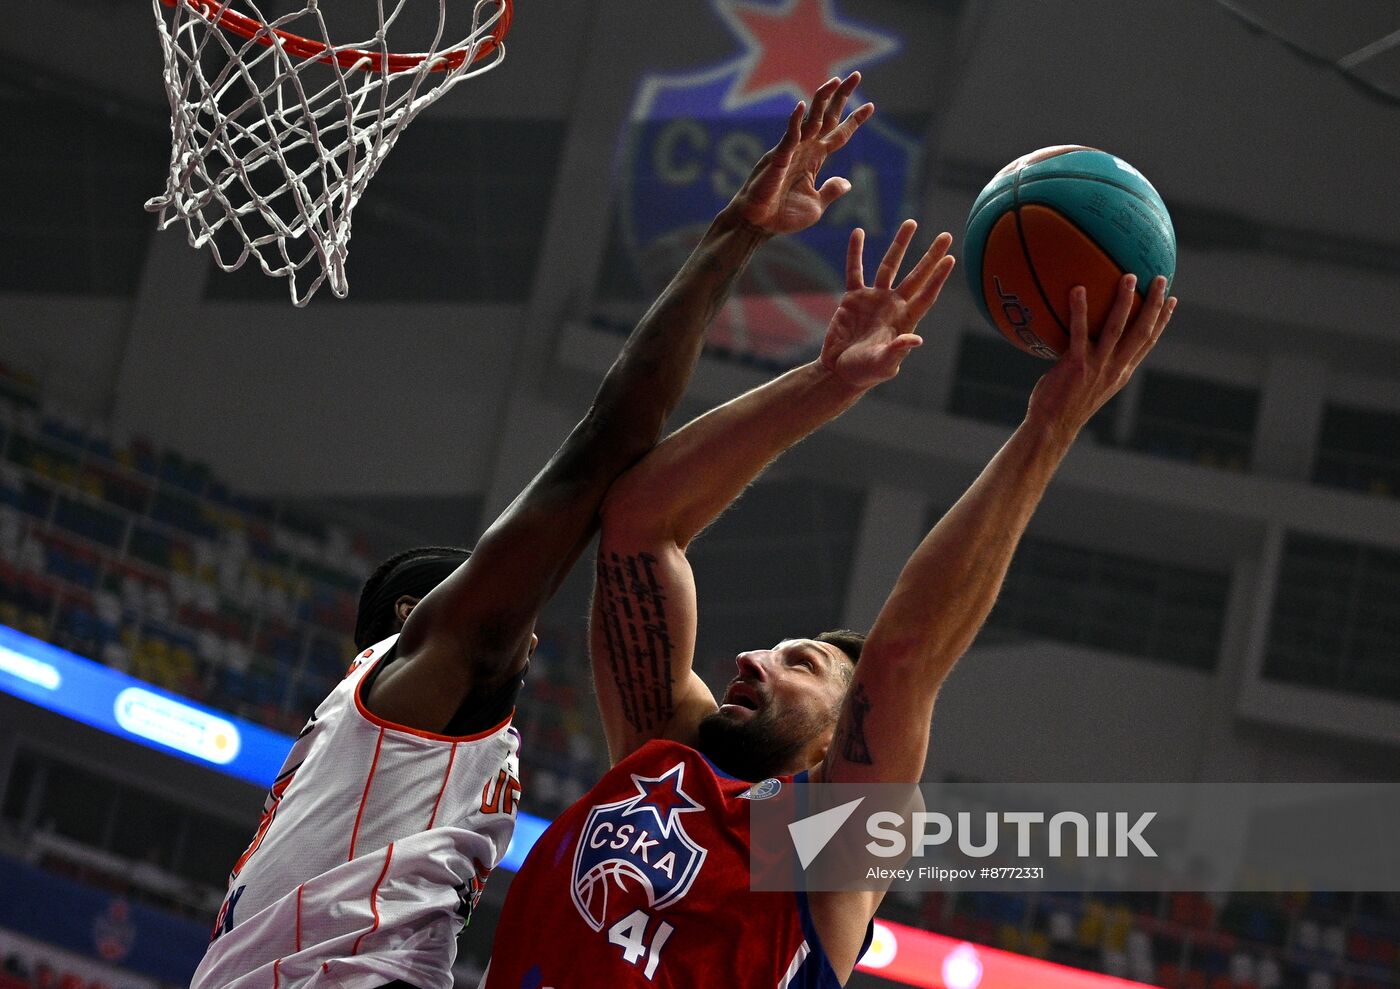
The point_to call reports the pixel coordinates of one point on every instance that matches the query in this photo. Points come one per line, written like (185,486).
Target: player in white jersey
(403,833)
(399,797)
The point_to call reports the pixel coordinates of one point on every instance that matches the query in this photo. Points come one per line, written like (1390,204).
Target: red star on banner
(795,46)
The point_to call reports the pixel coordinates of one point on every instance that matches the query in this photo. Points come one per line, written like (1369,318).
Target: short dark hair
(375,619)
(847,640)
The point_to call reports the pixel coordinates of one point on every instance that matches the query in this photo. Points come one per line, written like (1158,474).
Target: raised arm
(472,632)
(644,606)
(949,585)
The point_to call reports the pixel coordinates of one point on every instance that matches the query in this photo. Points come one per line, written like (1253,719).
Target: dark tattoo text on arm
(632,604)
(851,743)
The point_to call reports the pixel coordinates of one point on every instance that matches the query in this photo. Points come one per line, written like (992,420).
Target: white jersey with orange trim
(373,848)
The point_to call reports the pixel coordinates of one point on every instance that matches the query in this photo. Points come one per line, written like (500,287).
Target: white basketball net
(271,151)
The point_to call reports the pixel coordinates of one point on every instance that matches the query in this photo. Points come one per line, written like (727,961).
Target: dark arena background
(196,477)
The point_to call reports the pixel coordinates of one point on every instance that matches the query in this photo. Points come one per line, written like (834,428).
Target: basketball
(1056,218)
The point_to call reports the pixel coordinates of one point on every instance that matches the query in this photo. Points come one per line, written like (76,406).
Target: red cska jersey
(644,882)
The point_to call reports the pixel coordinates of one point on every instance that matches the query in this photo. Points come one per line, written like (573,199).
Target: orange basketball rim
(218,12)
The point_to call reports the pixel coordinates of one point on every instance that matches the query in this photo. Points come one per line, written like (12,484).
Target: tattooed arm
(949,585)
(644,609)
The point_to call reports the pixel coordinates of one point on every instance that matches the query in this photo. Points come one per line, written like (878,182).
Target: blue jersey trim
(799,778)
(717,771)
(816,971)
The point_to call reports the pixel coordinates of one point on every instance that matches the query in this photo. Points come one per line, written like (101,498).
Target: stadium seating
(145,560)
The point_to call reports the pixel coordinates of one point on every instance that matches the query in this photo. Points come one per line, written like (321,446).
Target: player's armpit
(841,918)
(642,644)
(472,633)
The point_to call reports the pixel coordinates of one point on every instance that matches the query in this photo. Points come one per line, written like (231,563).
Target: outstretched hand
(874,326)
(1093,371)
(781,194)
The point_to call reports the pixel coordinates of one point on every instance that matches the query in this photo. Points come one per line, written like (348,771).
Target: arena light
(29,669)
(78,688)
(932,961)
(177,724)
(528,829)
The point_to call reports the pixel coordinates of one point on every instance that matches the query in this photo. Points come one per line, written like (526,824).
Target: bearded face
(778,714)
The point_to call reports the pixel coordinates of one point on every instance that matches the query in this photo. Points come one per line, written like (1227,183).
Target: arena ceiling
(1274,123)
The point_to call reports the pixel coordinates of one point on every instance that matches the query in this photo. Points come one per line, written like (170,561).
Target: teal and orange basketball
(1057,218)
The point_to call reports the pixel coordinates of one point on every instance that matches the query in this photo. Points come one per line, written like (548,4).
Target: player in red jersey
(645,880)
(400,795)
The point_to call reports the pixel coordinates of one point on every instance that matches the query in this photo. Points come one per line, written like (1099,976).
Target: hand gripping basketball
(781,194)
(874,327)
(1093,371)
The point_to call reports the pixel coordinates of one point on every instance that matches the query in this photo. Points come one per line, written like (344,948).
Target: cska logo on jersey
(635,852)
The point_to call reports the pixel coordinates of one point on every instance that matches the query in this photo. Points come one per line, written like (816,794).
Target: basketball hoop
(275,135)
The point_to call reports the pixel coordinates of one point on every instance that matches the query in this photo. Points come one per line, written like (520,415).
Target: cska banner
(693,139)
